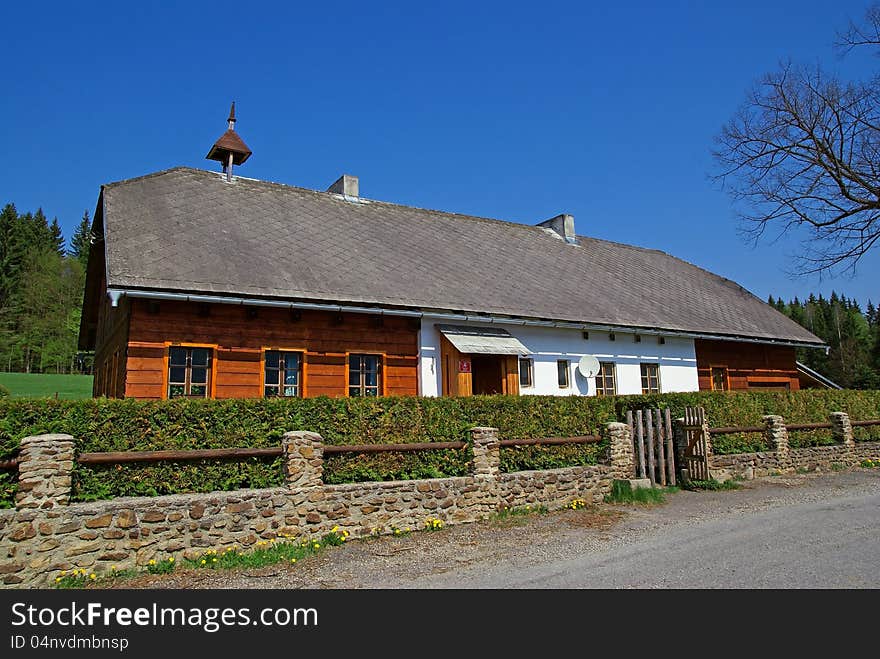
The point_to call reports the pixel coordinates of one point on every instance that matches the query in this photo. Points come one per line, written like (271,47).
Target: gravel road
(793,531)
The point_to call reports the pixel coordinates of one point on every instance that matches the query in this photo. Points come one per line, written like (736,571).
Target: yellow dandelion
(203,561)
(317,545)
(92,576)
(57,579)
(63,572)
(293,560)
(152,561)
(334,529)
(171,559)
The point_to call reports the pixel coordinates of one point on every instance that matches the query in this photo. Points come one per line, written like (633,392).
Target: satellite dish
(588,366)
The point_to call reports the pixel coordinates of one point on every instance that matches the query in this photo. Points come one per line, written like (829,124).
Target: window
(189,372)
(525,372)
(606,384)
(719,378)
(562,373)
(363,375)
(650,378)
(771,385)
(283,374)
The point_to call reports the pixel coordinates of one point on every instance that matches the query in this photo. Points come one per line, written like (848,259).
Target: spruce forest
(41,289)
(853,337)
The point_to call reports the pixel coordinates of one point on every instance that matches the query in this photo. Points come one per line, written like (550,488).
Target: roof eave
(444,314)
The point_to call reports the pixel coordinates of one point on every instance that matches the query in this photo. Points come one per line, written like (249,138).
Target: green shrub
(745,408)
(710,484)
(4,392)
(623,492)
(127,425)
(124,425)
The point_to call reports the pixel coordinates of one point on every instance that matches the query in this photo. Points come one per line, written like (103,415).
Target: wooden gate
(652,444)
(695,454)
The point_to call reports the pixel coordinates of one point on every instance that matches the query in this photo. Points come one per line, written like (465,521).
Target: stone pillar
(620,454)
(303,459)
(45,464)
(487,453)
(776,435)
(841,429)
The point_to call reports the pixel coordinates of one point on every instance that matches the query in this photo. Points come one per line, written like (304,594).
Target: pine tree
(57,237)
(81,241)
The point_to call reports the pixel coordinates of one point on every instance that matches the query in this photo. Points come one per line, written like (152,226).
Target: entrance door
(488,372)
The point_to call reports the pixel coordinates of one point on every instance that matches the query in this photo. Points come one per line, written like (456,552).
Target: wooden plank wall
(241,333)
(510,375)
(745,363)
(111,340)
(455,383)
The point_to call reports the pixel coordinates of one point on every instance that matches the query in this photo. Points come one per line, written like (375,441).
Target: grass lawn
(42,385)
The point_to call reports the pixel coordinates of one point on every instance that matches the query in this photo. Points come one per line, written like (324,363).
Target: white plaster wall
(677,359)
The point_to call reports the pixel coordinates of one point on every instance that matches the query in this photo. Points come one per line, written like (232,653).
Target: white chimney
(345,185)
(562,226)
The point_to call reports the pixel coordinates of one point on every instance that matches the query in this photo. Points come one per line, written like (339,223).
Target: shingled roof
(188,230)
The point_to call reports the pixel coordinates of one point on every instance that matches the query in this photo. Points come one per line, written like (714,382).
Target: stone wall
(44,534)
(784,459)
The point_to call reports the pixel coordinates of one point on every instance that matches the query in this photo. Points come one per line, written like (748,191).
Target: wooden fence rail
(552,441)
(12,463)
(790,426)
(123,457)
(728,429)
(651,429)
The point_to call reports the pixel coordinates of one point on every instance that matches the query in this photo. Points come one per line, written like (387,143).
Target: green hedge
(745,408)
(120,425)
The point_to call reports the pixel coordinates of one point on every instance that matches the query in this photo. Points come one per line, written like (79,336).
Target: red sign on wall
(464,365)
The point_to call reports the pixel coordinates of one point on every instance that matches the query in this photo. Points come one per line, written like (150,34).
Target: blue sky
(517,111)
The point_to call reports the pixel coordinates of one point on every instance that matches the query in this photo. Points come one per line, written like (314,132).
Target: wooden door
(455,370)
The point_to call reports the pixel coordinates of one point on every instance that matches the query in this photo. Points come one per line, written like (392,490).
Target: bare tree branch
(865,34)
(803,154)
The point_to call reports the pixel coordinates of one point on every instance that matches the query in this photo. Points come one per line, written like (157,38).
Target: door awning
(483,340)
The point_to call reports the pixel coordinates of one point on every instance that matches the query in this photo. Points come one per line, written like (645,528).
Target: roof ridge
(335,195)
(147,176)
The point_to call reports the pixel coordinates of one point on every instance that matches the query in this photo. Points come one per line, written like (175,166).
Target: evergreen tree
(57,237)
(853,337)
(81,241)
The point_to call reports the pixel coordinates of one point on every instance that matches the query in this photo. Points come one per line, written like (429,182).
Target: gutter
(116,293)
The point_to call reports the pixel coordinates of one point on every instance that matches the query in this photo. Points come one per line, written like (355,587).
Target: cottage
(210,284)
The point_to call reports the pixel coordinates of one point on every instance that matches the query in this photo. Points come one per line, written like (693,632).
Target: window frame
(566,371)
(301,380)
(530,369)
(210,385)
(380,374)
(649,390)
(601,391)
(726,374)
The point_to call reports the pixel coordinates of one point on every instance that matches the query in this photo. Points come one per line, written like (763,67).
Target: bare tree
(801,156)
(861,34)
